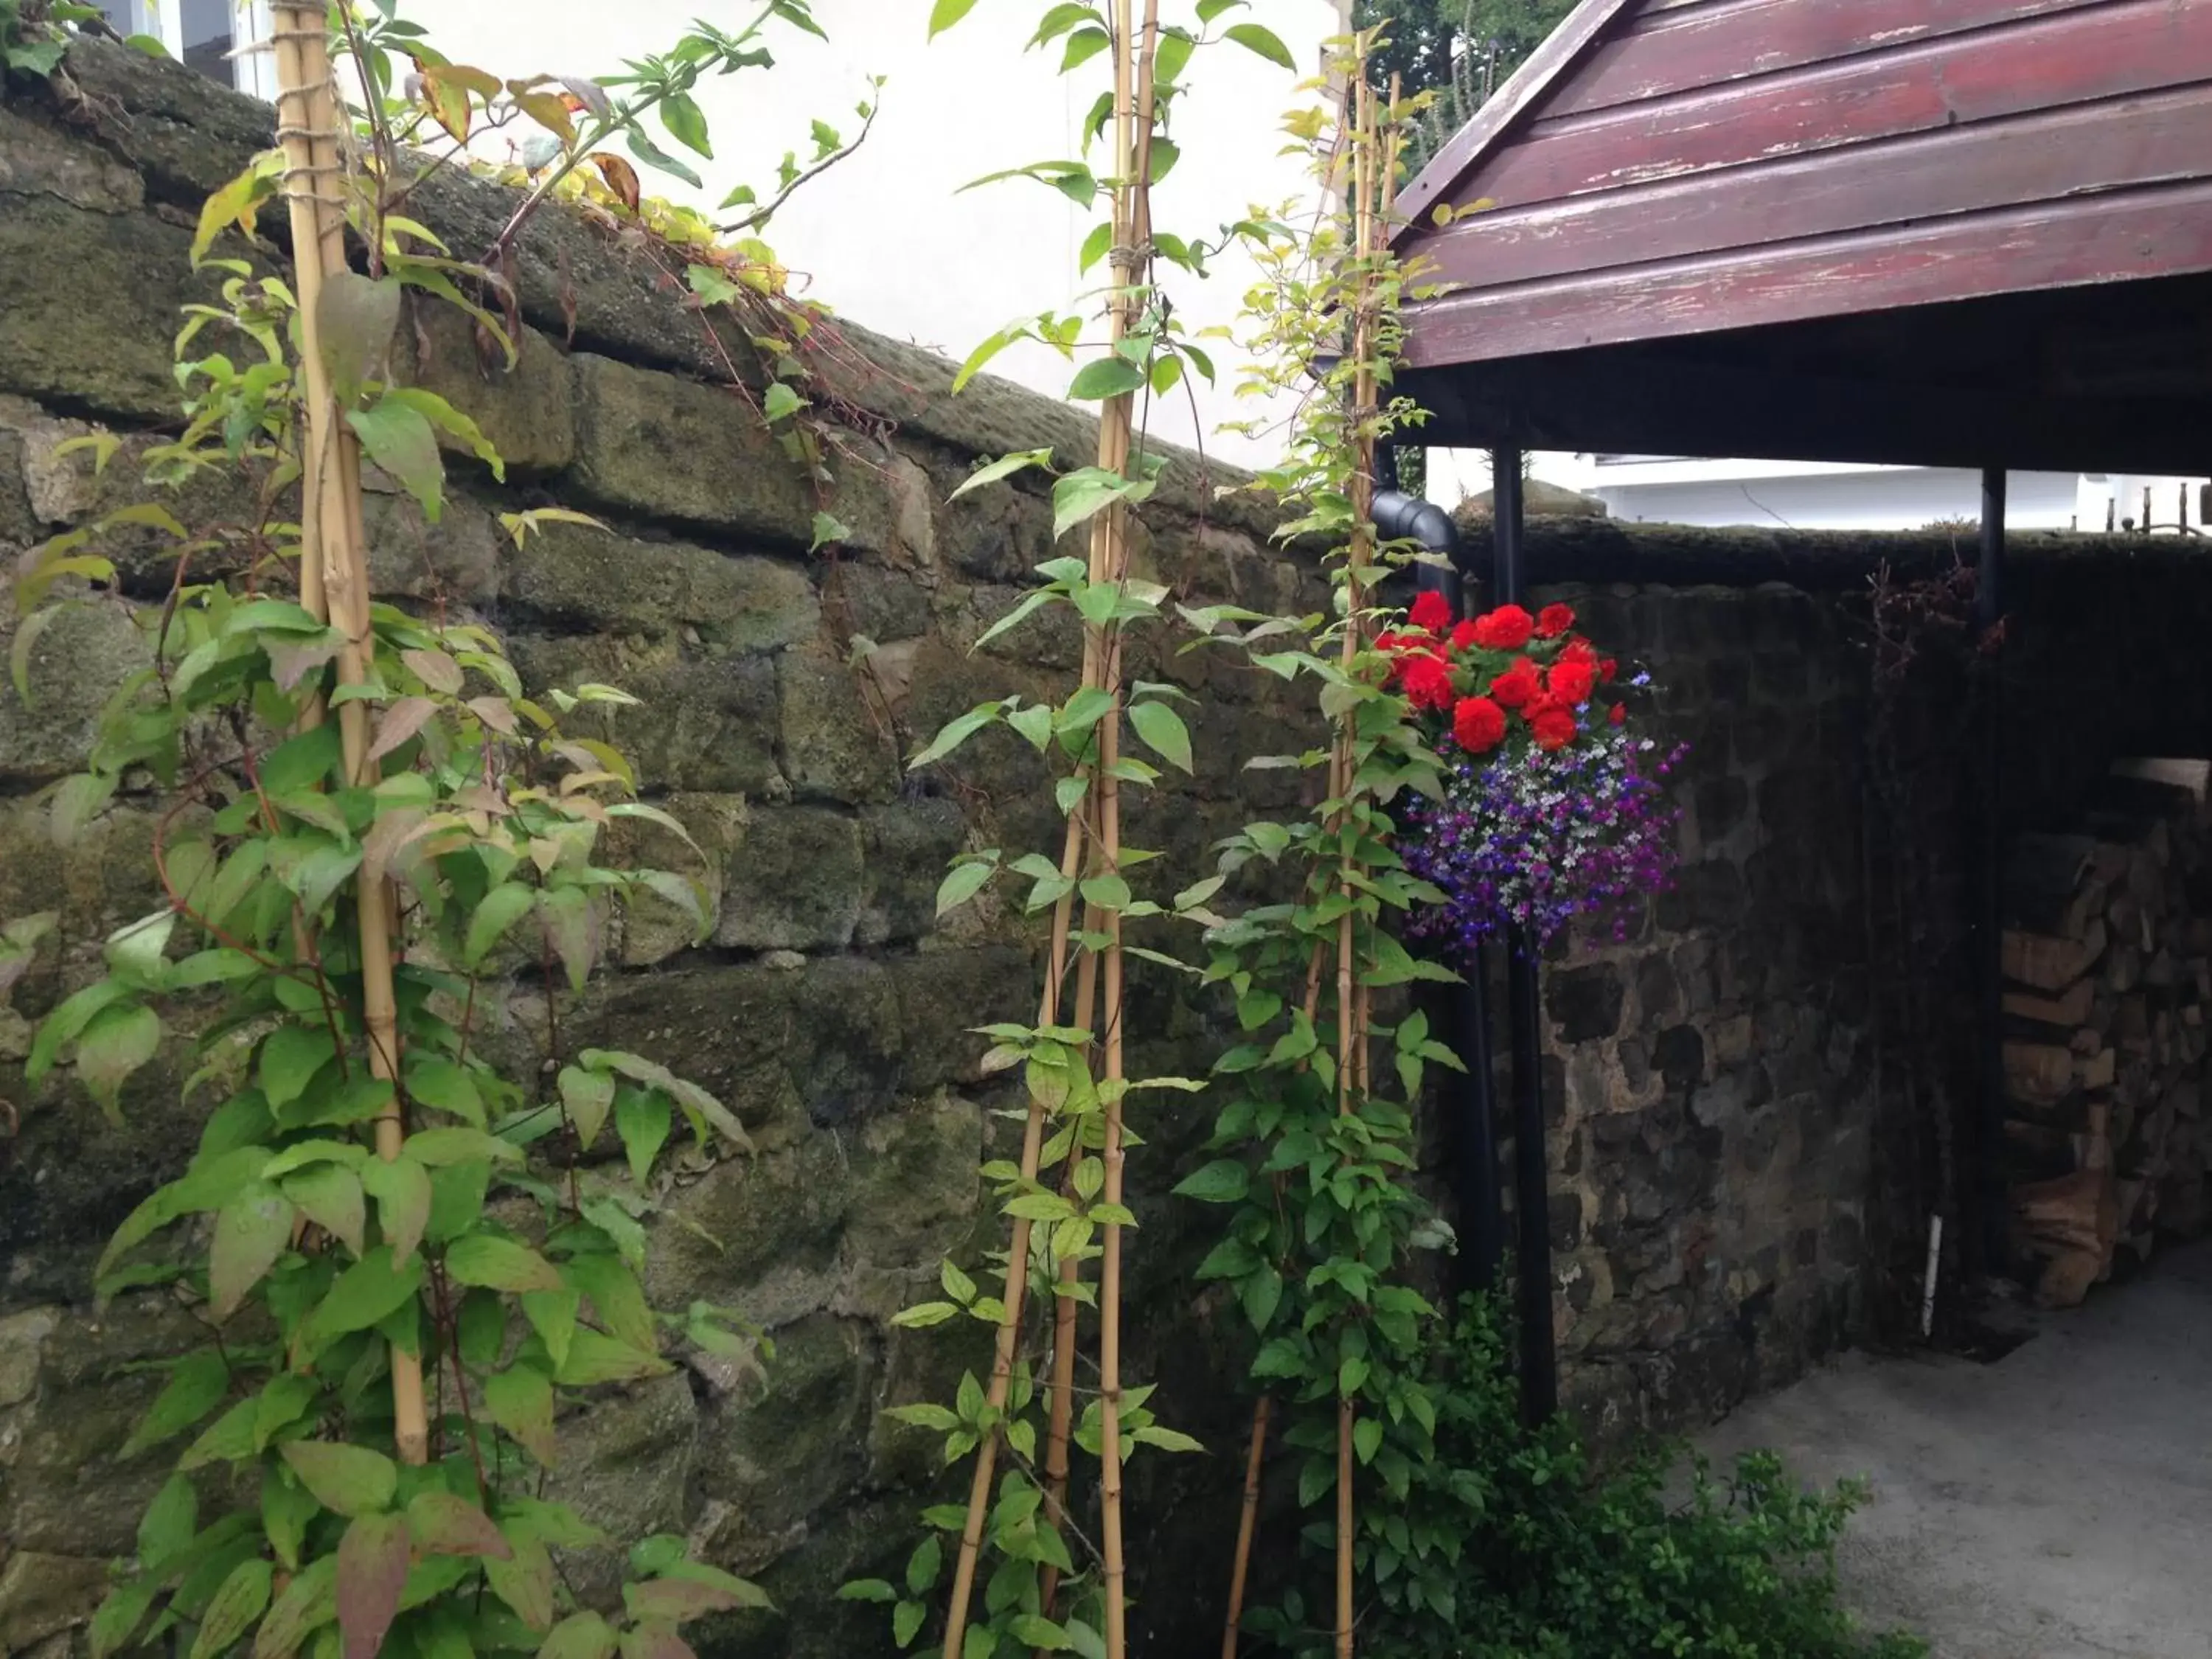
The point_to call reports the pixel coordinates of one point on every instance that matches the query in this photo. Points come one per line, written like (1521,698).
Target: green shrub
(1514,1547)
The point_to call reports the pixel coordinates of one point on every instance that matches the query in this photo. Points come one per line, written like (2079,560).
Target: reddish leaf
(621,177)
(350,1479)
(435,669)
(446,1525)
(401,722)
(372,1572)
(677,1598)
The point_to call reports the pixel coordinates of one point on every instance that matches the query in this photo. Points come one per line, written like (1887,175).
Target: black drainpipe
(1532,1184)
(1994,1197)
(1401,517)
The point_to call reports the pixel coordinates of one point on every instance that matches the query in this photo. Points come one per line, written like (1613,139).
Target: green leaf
(1163,732)
(67,1022)
(1225,1181)
(346,1479)
(1005,467)
(400,440)
(943,14)
(251,1233)
(229,1439)
(1106,377)
(1262,1295)
(1082,495)
(580,1636)
(866,1589)
(365,1294)
(169,1522)
(401,1188)
(520,1400)
(588,1096)
(552,1315)
(963,883)
(1108,892)
(685,124)
(116,1043)
(289,1059)
(594,1359)
(499,910)
(499,1264)
(654,156)
(1033,1631)
(923,1565)
(437,1082)
(120,1615)
(330,1196)
(242,1599)
(642,1119)
(1367,1437)
(955,732)
(907,1616)
(195,1387)
(1264,41)
(779,402)
(309,1603)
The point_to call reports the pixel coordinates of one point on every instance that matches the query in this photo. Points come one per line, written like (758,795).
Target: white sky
(884,235)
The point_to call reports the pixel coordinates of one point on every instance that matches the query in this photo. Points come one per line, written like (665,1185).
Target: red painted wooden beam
(1659,54)
(2163,138)
(2117,237)
(2095,51)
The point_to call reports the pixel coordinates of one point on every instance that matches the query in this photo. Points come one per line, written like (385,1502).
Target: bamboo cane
(1248,1522)
(334,569)
(1017,1280)
(1350,997)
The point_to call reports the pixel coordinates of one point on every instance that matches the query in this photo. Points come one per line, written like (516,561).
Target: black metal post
(1532,1179)
(1988,920)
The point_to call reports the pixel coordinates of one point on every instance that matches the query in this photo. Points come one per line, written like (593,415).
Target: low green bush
(1514,1546)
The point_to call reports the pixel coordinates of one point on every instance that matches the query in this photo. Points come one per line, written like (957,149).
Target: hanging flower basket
(1554,806)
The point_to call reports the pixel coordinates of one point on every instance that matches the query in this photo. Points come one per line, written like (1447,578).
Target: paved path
(2056,1504)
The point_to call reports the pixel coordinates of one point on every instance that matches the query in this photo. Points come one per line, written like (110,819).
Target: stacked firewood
(2108,961)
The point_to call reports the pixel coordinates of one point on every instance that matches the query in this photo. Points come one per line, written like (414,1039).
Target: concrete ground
(2056,1504)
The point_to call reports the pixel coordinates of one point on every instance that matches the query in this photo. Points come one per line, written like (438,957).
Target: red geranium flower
(1478,724)
(1464,636)
(1517,686)
(1432,611)
(1619,715)
(1607,669)
(1571,680)
(1506,628)
(1578,649)
(1554,621)
(1428,681)
(1552,725)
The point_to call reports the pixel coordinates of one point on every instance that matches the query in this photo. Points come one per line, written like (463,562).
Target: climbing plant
(405,1255)
(1051,1580)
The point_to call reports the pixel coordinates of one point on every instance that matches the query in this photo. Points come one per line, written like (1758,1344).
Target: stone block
(97,339)
(871,599)
(78,661)
(792,881)
(36,161)
(835,736)
(574,576)
(907,846)
(527,413)
(1585,1003)
(995,534)
(457,558)
(42,1596)
(706,722)
(784,1451)
(627,1462)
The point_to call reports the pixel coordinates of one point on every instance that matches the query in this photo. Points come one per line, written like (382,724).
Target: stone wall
(829,1008)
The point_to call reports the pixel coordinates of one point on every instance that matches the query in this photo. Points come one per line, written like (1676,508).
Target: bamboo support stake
(1248,1522)
(1017,1280)
(334,569)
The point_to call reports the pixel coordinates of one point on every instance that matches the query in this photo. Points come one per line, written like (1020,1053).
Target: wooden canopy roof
(1957,232)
